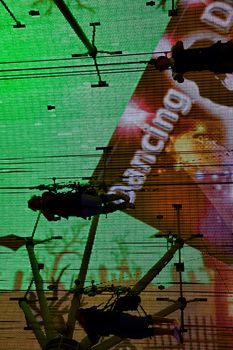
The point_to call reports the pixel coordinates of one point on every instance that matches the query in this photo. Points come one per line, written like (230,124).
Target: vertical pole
(10,12)
(155,270)
(75,303)
(74,24)
(49,330)
(177,208)
(36,224)
(32,322)
(88,251)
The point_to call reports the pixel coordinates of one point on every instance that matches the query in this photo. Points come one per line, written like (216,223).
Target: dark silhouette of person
(98,323)
(217,58)
(55,206)
(209,83)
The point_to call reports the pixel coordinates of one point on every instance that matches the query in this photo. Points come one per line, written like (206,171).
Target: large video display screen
(168,144)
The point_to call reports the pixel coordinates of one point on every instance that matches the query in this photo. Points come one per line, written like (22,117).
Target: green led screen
(171,144)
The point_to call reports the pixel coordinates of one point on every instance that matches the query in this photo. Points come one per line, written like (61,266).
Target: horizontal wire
(65,74)
(124,153)
(78,58)
(74,66)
